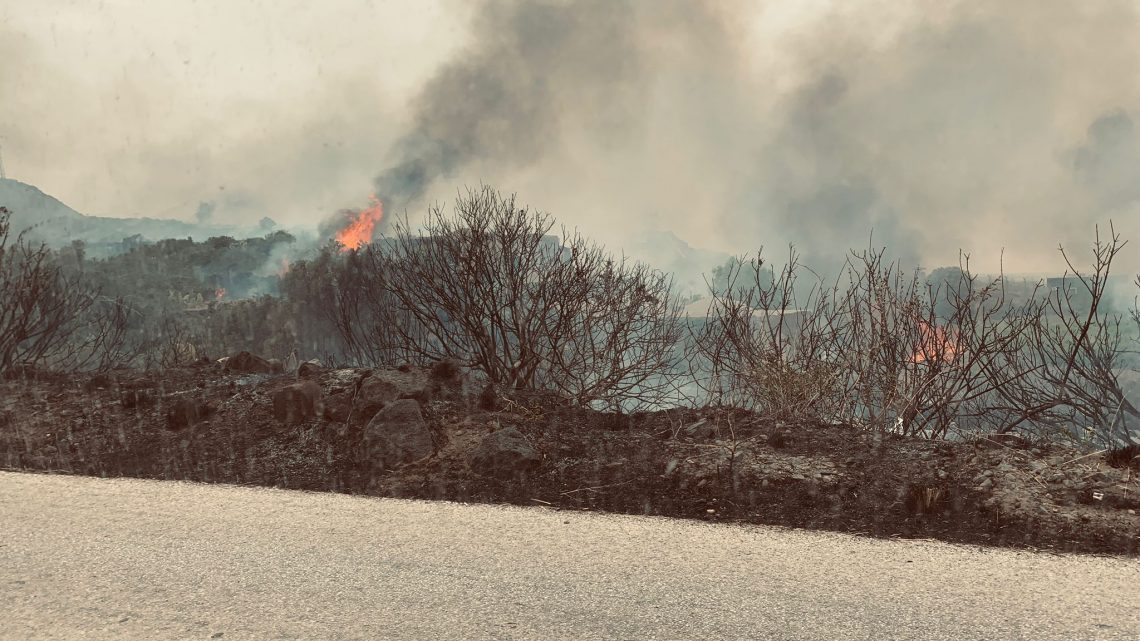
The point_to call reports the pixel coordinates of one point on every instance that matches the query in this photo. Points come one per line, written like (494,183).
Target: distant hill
(46,219)
(30,206)
(665,251)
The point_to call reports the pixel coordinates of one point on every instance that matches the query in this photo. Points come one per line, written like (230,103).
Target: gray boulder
(310,369)
(375,393)
(504,454)
(297,402)
(398,434)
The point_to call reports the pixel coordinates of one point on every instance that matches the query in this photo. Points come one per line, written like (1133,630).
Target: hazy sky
(735,124)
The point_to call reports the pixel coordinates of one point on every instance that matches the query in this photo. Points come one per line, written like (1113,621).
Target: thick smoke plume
(734,124)
(975,125)
(505,100)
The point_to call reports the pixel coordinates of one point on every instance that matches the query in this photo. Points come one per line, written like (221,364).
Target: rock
(247,363)
(375,393)
(297,402)
(184,411)
(986,484)
(338,407)
(504,454)
(310,369)
(276,366)
(398,434)
(383,386)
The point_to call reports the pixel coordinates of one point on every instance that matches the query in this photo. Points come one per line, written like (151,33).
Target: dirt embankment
(420,434)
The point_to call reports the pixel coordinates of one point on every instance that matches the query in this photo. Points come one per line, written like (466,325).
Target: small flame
(219,293)
(934,344)
(359,231)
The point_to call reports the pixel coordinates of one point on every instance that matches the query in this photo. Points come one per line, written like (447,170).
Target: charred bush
(489,287)
(51,317)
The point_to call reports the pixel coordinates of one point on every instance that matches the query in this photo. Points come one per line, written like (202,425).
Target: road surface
(85,558)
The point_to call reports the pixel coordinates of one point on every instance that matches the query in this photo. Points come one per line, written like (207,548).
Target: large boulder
(374,393)
(398,434)
(297,402)
(247,363)
(504,454)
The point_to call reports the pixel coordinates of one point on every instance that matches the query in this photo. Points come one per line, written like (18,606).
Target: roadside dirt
(205,425)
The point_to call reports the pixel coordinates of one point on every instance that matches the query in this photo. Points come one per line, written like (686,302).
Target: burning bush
(491,289)
(886,352)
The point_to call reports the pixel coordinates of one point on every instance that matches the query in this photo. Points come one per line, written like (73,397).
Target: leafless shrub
(1068,376)
(759,349)
(868,349)
(52,318)
(172,343)
(916,373)
(491,289)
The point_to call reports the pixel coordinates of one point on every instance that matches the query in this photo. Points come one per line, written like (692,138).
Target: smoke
(121,110)
(922,126)
(958,133)
(506,99)
(981,126)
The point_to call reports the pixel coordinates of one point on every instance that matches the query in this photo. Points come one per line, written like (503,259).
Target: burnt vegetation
(532,327)
(489,287)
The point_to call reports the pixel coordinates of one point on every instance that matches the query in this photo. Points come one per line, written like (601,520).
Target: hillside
(47,219)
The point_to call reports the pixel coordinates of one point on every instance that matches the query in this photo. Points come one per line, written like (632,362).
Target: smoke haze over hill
(732,125)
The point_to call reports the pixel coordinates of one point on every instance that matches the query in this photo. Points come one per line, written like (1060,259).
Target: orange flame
(934,345)
(219,293)
(359,231)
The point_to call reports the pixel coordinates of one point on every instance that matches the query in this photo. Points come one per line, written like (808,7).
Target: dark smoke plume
(503,100)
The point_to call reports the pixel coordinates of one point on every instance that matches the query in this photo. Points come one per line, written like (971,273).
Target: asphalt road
(84,558)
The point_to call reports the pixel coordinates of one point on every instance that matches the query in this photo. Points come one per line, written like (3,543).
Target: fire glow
(936,345)
(359,231)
